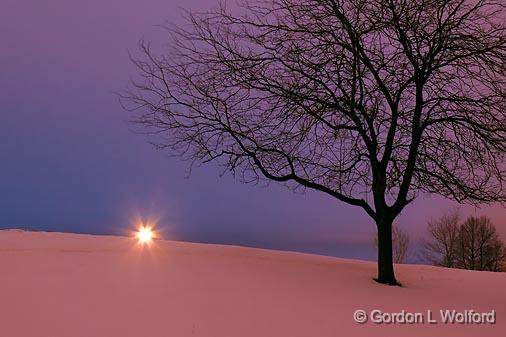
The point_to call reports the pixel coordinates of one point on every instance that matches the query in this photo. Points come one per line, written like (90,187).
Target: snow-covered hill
(68,285)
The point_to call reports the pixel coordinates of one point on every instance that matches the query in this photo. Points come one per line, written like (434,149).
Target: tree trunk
(385,259)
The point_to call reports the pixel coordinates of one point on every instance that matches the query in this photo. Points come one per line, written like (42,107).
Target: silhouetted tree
(441,247)
(473,245)
(479,246)
(369,101)
(400,244)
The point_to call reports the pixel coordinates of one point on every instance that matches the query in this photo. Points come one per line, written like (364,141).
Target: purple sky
(70,162)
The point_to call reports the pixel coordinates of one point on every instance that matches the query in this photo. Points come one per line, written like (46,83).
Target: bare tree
(370,101)
(497,256)
(441,247)
(479,246)
(473,245)
(400,244)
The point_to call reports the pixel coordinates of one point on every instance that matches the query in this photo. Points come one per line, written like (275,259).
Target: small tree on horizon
(441,247)
(473,244)
(372,102)
(479,246)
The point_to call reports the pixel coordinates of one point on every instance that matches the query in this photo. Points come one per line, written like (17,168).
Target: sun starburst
(145,235)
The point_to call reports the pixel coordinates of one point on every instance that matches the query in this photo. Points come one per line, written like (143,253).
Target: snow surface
(69,285)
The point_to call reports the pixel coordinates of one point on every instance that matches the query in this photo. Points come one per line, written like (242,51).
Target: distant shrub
(473,244)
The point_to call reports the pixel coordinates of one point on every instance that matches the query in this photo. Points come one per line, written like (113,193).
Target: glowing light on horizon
(145,235)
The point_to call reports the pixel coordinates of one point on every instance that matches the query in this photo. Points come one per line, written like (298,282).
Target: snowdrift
(69,285)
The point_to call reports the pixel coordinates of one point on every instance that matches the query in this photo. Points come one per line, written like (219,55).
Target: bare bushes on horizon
(469,244)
